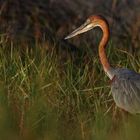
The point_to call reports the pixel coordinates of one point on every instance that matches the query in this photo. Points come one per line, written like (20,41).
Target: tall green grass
(59,95)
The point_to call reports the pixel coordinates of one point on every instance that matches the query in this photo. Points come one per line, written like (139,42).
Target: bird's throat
(102,46)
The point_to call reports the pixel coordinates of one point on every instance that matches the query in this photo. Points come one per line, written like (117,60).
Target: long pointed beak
(83,28)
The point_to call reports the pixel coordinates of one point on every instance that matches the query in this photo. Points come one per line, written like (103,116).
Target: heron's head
(89,24)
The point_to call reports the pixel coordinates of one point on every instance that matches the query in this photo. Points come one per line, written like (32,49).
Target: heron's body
(125,85)
(126,90)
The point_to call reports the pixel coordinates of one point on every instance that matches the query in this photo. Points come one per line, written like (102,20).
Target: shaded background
(51,20)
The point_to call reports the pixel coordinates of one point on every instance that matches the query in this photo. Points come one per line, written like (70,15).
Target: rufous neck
(102,54)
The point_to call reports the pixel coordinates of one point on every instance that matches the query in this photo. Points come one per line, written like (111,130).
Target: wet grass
(45,96)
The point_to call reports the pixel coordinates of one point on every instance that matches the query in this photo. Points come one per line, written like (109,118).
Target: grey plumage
(126,89)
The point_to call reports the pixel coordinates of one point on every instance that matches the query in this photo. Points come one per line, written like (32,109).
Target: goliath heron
(125,85)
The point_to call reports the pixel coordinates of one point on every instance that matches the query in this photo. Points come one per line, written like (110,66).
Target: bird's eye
(88,20)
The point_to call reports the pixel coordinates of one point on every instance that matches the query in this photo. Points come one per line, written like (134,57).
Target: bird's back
(126,90)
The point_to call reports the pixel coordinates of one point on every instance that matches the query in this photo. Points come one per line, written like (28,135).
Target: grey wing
(126,91)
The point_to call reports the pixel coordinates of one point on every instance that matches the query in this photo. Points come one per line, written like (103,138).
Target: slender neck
(102,54)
